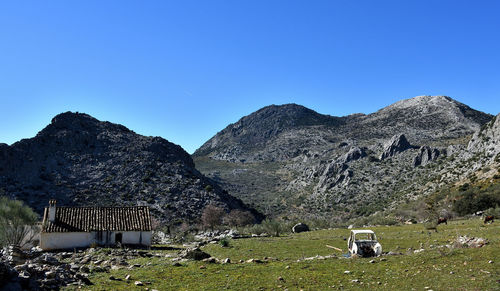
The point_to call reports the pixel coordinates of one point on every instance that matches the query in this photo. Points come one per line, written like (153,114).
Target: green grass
(411,271)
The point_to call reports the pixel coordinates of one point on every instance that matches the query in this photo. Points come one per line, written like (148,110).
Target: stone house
(78,227)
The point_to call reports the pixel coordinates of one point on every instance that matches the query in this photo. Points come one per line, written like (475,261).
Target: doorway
(118,239)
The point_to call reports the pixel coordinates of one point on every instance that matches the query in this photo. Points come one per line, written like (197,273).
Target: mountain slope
(80,160)
(331,166)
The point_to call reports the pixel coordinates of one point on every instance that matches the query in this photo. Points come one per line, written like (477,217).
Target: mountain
(80,160)
(290,160)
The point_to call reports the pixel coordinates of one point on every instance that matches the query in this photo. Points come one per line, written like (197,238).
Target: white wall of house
(70,240)
(137,237)
(64,240)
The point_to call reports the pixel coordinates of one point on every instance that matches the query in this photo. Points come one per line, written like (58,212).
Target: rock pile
(470,242)
(37,271)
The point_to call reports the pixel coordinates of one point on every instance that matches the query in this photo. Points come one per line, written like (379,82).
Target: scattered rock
(254,261)
(210,260)
(138,283)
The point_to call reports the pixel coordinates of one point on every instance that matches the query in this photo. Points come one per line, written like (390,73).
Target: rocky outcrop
(334,174)
(487,139)
(353,154)
(82,161)
(427,154)
(395,145)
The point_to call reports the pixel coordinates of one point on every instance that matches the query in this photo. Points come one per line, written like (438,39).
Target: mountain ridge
(302,167)
(80,160)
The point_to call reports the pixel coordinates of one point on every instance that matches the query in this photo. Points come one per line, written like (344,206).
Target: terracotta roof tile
(77,219)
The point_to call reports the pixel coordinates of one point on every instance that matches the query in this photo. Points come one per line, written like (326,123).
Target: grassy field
(285,265)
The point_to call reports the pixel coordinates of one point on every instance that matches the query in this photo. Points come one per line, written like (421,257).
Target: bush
(224,242)
(17,223)
(493,211)
(274,227)
(471,202)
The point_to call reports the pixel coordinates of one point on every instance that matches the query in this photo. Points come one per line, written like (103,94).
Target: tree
(212,216)
(17,222)
(239,218)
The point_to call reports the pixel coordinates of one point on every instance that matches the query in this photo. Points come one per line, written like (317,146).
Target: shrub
(471,202)
(273,227)
(17,223)
(493,211)
(224,242)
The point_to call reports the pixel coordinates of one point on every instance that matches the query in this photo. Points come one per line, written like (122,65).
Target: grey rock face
(395,145)
(82,161)
(353,154)
(487,139)
(425,155)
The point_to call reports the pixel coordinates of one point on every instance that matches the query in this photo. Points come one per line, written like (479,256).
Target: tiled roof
(77,219)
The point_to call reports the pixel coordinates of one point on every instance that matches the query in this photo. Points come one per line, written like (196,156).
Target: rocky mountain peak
(80,160)
(76,121)
(424,101)
(264,125)
(447,108)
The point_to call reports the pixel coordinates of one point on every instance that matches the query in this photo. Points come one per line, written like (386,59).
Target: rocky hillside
(291,160)
(80,160)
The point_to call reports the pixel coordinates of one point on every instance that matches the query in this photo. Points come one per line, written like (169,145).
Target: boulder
(194,254)
(300,227)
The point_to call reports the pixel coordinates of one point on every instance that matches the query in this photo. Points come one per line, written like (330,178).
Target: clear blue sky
(184,70)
